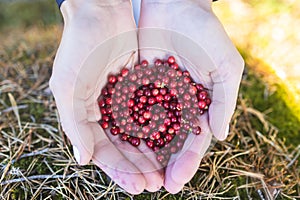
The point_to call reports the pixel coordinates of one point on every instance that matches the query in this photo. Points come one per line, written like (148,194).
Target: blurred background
(267,30)
(23,14)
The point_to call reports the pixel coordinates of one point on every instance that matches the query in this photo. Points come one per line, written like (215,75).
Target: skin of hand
(190,30)
(81,66)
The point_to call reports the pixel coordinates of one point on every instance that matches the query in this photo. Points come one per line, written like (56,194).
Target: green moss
(16,13)
(278,112)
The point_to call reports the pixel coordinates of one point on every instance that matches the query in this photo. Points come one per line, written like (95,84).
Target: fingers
(170,185)
(185,164)
(122,171)
(153,177)
(226,80)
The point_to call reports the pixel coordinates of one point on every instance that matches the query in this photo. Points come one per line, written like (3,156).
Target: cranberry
(151,104)
(155,135)
(144,63)
(171,60)
(115,130)
(197,131)
(147,115)
(168,137)
(135,142)
(101,103)
(124,137)
(150,143)
(112,79)
(202,95)
(130,103)
(124,72)
(202,104)
(104,124)
(160,158)
(175,66)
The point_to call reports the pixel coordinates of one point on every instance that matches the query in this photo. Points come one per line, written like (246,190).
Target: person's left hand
(98,38)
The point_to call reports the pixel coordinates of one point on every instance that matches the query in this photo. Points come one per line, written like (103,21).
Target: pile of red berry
(156,104)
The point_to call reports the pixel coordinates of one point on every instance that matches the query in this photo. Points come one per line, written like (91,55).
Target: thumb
(226,80)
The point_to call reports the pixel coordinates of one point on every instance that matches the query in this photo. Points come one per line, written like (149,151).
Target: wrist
(69,8)
(203,4)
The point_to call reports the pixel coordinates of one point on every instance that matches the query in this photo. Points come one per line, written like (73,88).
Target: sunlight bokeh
(267,30)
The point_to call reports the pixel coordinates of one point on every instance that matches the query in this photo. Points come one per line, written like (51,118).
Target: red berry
(135,141)
(151,101)
(108,101)
(159,98)
(193,90)
(130,103)
(146,130)
(168,137)
(197,131)
(106,118)
(167,122)
(145,81)
(150,143)
(129,107)
(112,79)
(202,104)
(173,149)
(142,120)
(158,62)
(124,72)
(175,66)
(202,95)
(147,115)
(115,130)
(104,92)
(124,137)
(176,126)
(162,128)
(199,87)
(208,101)
(159,142)
(155,136)
(133,77)
(182,136)
(167,97)
(171,131)
(171,60)
(160,158)
(104,124)
(101,103)
(144,63)
(185,73)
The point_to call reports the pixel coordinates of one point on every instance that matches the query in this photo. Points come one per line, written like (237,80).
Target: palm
(190,30)
(83,59)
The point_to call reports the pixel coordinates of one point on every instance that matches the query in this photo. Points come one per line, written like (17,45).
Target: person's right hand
(190,30)
(85,56)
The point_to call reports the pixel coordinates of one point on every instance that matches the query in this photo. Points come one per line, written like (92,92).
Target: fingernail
(76,154)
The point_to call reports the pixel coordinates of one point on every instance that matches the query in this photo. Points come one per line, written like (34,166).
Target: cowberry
(157,105)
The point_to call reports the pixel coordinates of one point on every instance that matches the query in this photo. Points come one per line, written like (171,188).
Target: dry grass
(36,161)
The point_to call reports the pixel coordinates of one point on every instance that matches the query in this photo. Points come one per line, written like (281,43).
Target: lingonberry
(156,105)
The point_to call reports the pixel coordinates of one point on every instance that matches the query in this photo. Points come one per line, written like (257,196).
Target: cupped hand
(98,37)
(190,30)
